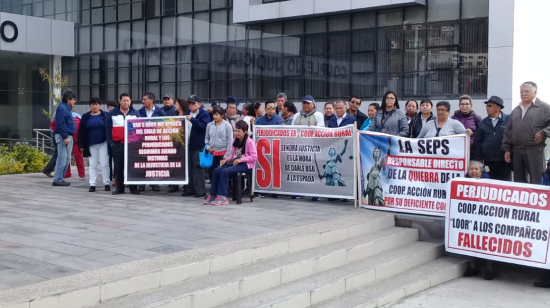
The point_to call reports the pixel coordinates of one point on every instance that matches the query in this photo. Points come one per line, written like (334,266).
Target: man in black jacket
(488,140)
(354,104)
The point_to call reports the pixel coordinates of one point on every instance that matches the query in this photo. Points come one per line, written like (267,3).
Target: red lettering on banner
(500,194)
(453,164)
(493,244)
(275,158)
(263,174)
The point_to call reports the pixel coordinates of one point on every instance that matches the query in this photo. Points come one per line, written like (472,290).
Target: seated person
(242,158)
(475,171)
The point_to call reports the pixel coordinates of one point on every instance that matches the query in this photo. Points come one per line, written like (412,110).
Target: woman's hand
(236,161)
(222,162)
(210,149)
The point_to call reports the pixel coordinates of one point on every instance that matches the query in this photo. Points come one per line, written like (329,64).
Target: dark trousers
(51,164)
(499,170)
(196,174)
(528,161)
(118,157)
(215,164)
(219,184)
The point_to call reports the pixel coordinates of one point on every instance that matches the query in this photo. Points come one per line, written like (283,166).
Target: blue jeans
(63,157)
(219,184)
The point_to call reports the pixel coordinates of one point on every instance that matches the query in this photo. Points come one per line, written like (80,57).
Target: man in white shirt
(342,118)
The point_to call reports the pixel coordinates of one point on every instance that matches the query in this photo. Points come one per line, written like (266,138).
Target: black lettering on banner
(3,31)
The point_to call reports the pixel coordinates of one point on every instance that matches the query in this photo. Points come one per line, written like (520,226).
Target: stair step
(332,283)
(408,283)
(269,273)
(100,285)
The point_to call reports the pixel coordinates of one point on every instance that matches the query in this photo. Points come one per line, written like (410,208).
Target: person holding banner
(309,114)
(442,125)
(242,158)
(329,112)
(169,106)
(114,128)
(390,119)
(527,129)
(270,118)
(150,110)
(199,119)
(181,108)
(475,171)
(488,142)
(342,118)
(371,113)
(424,116)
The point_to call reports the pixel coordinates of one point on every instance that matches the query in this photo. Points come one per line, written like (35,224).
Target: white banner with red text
(497,220)
(409,175)
(305,161)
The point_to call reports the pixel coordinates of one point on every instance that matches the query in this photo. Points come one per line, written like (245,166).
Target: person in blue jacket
(168,102)
(342,118)
(150,110)
(65,127)
(546,175)
(270,118)
(199,119)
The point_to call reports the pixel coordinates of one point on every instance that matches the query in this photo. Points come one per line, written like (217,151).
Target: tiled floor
(48,232)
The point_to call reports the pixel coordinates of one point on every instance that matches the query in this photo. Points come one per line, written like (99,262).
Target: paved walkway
(48,232)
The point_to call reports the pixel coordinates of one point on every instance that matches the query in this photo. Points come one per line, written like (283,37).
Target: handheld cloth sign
(497,220)
(206,159)
(409,175)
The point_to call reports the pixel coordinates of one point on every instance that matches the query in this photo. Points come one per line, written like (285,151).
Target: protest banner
(155,151)
(409,175)
(497,220)
(305,161)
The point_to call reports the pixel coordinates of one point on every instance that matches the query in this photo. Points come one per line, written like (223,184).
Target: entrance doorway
(23,94)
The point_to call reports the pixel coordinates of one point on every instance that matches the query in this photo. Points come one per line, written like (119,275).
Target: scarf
(233,119)
(238,144)
(302,112)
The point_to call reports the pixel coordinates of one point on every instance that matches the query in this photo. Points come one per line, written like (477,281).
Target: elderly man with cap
(199,119)
(233,100)
(309,114)
(169,108)
(488,140)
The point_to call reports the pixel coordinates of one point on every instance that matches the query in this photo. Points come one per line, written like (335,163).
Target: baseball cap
(308,98)
(215,104)
(193,98)
(168,95)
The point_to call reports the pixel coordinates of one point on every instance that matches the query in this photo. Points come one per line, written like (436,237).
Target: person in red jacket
(79,160)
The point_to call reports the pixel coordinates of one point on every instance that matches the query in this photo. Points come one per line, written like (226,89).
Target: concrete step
(408,283)
(338,281)
(216,288)
(93,287)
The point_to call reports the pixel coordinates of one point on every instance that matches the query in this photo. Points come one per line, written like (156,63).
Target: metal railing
(43,139)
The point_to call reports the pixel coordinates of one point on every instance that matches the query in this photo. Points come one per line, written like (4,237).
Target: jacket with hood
(488,139)
(396,124)
(314,118)
(415,127)
(546,175)
(157,112)
(114,126)
(471,121)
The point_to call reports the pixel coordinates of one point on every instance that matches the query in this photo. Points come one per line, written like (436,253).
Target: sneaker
(314,198)
(220,200)
(209,199)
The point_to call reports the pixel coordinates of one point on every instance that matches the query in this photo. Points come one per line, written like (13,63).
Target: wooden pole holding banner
(355,143)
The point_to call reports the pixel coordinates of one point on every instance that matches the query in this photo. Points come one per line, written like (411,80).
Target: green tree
(56,82)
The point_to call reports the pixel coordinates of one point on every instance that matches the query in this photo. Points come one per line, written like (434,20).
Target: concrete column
(55,60)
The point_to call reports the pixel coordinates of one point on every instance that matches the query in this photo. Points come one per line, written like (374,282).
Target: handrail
(42,138)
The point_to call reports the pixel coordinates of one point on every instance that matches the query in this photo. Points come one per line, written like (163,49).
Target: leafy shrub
(22,159)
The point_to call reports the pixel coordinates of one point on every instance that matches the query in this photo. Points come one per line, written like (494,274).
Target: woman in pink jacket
(243,156)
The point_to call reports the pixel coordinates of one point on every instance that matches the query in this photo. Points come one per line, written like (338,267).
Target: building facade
(255,49)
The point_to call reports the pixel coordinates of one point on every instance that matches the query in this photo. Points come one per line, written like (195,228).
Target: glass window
(84,39)
(218,26)
(124,34)
(152,8)
(390,18)
(168,55)
(273,29)
(415,14)
(168,88)
(124,12)
(339,23)
(363,40)
(217,4)
(97,16)
(201,27)
(185,33)
(153,56)
(168,73)
(110,37)
(316,25)
(442,34)
(153,74)
(137,10)
(443,10)
(185,6)
(184,89)
(60,6)
(38,9)
(339,42)
(153,32)
(110,14)
(293,27)
(184,72)
(168,31)
(184,54)
(169,7)
(48,7)
(138,34)
(85,18)
(201,5)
